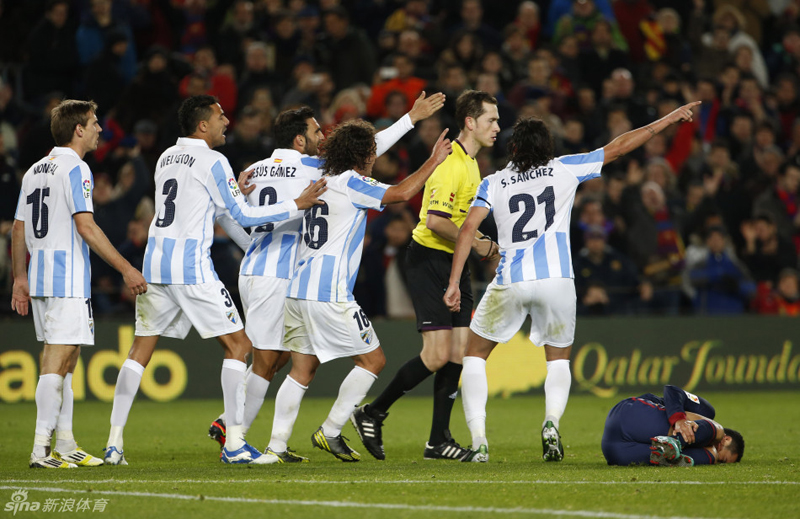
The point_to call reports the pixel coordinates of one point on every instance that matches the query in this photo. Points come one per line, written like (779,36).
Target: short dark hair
(193,110)
(66,116)
(349,146)
(530,145)
(737,444)
(470,104)
(291,123)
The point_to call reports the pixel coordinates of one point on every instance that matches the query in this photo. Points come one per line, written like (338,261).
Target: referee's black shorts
(428,274)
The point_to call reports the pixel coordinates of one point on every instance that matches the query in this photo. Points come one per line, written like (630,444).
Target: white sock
(65,442)
(128,380)
(255,391)
(287,405)
(556,390)
(474,394)
(48,405)
(232,378)
(352,391)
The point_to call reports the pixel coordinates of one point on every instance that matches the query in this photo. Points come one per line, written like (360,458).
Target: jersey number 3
(547,197)
(171,190)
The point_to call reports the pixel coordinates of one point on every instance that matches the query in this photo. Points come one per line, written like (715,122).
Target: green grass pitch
(174,469)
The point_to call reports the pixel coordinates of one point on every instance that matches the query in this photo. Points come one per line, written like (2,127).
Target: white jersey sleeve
(366,192)
(387,138)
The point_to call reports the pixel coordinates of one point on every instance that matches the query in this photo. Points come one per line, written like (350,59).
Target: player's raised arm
(423,108)
(410,186)
(631,140)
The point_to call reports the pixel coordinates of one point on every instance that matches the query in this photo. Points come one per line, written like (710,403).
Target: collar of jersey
(285,153)
(463,149)
(191,141)
(63,150)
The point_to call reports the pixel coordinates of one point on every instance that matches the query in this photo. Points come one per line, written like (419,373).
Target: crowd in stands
(705,218)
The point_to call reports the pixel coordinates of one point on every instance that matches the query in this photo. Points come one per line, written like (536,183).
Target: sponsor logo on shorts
(87,188)
(366,336)
(234,187)
(231,315)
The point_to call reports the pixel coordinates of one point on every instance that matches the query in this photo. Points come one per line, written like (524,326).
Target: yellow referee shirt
(448,193)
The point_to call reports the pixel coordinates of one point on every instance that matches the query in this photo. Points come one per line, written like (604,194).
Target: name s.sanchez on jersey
(532,211)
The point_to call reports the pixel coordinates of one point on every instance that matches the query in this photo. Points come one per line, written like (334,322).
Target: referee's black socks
(407,378)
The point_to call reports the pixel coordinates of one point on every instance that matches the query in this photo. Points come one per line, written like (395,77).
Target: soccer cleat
(255,455)
(79,457)
(287,456)
(447,450)
(217,431)
(665,451)
(479,455)
(369,430)
(335,445)
(113,456)
(243,454)
(552,450)
(49,462)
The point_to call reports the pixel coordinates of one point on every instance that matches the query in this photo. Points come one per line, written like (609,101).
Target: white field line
(345,504)
(267,479)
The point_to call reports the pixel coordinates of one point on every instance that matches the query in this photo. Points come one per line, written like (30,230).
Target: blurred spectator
(308,23)
(714,279)
(52,53)
(94,31)
(145,132)
(237,33)
(784,299)
(221,80)
(285,38)
(623,92)
(560,8)
(528,21)
(410,43)
(638,28)
(781,202)
(766,252)
(655,245)
(581,21)
(599,60)
(472,22)
(36,141)
(784,57)
(104,80)
(788,107)
(344,50)
(247,143)
(606,282)
(399,77)
(9,186)
(258,72)
(152,93)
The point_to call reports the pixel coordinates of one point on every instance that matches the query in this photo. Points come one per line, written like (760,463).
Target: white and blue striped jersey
(333,238)
(53,190)
(532,211)
(192,181)
(273,247)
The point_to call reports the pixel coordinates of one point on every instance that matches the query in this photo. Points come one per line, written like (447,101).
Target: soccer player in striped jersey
(323,321)
(193,182)
(270,258)
(676,430)
(55,223)
(531,199)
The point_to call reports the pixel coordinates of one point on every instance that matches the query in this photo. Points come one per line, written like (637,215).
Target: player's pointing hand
(442,148)
(684,113)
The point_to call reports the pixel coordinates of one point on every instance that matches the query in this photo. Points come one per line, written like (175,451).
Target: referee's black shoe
(369,430)
(448,450)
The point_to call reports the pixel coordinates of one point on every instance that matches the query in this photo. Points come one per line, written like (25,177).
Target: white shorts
(263,299)
(172,310)
(550,303)
(328,330)
(63,320)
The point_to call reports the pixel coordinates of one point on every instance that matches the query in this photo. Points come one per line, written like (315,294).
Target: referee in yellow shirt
(448,195)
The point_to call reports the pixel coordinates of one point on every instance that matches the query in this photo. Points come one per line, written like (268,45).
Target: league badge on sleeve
(692,397)
(234,187)
(87,188)
(369,180)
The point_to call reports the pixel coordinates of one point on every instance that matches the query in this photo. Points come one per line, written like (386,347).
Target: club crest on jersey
(692,397)
(231,315)
(91,326)
(87,188)
(234,187)
(366,336)
(433,193)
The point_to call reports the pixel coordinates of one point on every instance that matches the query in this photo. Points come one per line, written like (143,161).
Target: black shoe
(217,431)
(448,450)
(335,445)
(369,430)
